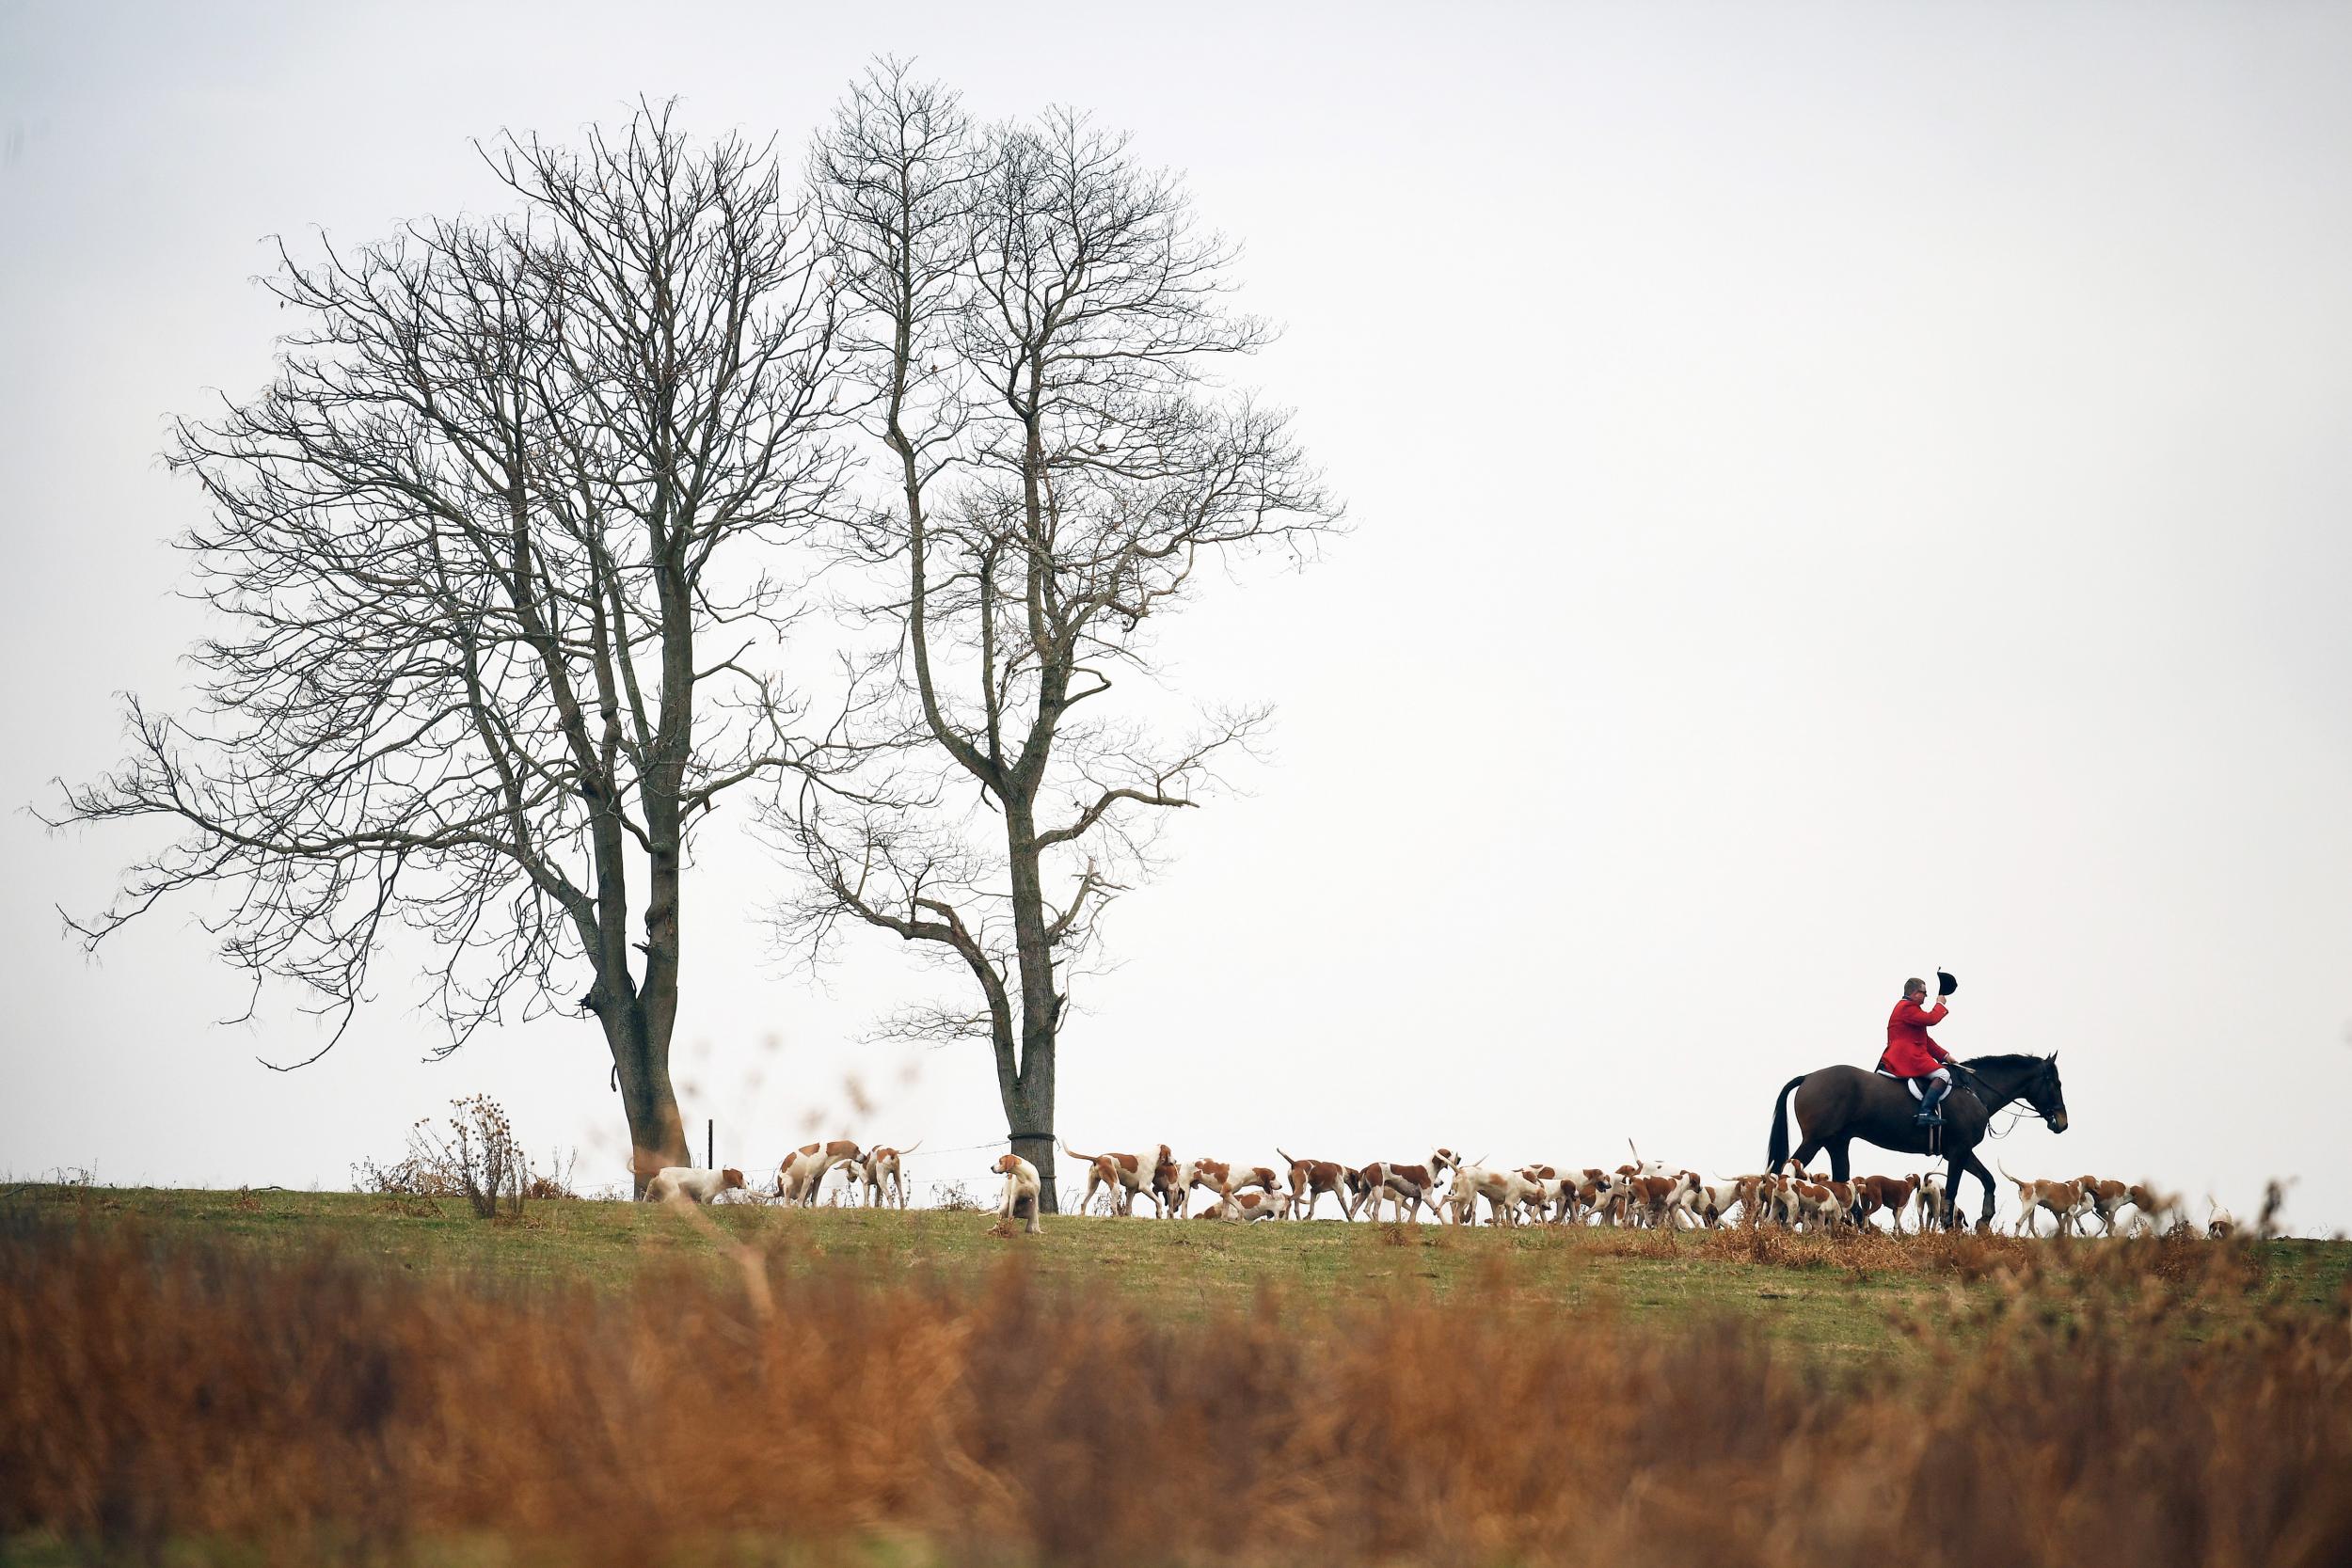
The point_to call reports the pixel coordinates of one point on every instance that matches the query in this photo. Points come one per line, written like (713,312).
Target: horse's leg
(1840,1163)
(1802,1154)
(1967,1160)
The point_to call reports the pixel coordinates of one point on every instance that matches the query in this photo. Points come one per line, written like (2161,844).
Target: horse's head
(2047,1095)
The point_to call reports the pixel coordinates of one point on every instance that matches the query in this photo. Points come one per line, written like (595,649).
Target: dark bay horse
(1839,1104)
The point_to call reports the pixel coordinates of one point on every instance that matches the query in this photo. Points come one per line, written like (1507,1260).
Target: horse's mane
(1978,1064)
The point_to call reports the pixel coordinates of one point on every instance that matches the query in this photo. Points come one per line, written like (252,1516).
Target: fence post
(711,1145)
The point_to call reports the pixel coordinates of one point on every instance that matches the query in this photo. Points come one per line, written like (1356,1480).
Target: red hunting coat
(1909,1051)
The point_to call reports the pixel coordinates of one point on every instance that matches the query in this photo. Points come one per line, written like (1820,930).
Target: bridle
(2019,1105)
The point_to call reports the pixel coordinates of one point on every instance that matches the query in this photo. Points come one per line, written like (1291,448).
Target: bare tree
(489,554)
(1032,315)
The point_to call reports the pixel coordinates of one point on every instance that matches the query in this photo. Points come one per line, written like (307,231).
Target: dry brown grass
(172,1396)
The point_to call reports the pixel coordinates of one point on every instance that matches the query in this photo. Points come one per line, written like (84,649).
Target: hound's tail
(1777,1152)
(1286,1159)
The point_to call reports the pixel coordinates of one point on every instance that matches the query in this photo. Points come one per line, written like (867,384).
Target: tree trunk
(1032,1123)
(1029,1122)
(1030,1110)
(1038,1149)
(657,1133)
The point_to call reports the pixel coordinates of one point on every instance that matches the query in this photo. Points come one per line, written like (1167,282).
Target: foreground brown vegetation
(166,1396)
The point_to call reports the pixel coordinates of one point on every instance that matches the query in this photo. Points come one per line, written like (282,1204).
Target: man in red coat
(1911,1054)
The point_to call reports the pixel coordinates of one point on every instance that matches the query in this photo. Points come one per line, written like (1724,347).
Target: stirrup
(1929,1116)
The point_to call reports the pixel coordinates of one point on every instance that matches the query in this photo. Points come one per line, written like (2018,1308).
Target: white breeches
(1942,1075)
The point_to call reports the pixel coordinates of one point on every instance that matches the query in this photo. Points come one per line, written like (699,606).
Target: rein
(2017,1114)
(2016,1104)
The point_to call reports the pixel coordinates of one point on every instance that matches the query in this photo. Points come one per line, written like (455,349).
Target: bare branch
(509,475)
(1033,316)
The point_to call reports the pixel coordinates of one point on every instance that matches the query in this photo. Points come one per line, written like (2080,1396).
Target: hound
(1021,1192)
(2064,1199)
(1603,1197)
(1458,1203)
(1639,1165)
(1311,1178)
(1711,1201)
(1594,1194)
(804,1170)
(1650,1193)
(1554,1193)
(1688,1208)
(880,1173)
(1781,1200)
(1653,1197)
(1224,1180)
(1885,1191)
(1817,1206)
(1814,1200)
(1758,1197)
(1252,1204)
(1103,1176)
(849,1190)
(1172,1183)
(2110,1198)
(1408,1185)
(1125,1174)
(699,1186)
(2158,1207)
(1935,1204)
(1505,1192)
(1175,1180)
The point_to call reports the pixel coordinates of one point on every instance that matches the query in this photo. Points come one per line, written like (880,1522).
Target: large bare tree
(491,559)
(1032,315)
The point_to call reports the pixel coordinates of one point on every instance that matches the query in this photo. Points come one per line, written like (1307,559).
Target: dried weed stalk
(163,1395)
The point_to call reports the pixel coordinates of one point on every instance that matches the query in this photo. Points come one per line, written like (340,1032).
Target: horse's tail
(1776,1153)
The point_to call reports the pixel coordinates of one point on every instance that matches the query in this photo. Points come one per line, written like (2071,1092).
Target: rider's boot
(1931,1095)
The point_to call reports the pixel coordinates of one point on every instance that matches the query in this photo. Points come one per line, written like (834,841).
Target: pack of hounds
(1642,1192)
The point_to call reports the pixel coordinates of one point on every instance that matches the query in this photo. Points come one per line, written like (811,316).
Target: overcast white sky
(1838,489)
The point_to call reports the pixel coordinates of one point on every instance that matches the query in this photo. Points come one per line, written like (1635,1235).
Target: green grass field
(1840,1301)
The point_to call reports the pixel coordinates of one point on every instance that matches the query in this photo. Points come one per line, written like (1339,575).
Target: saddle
(1911,1084)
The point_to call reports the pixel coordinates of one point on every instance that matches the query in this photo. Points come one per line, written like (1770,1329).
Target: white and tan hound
(684,1181)
(1310,1179)
(1021,1192)
(804,1170)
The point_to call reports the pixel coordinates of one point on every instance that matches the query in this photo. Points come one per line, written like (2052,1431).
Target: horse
(1839,1104)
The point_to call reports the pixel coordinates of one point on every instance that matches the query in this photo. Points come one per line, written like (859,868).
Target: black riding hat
(1945,984)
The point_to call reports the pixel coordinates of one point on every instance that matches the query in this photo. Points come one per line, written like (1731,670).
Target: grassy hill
(1839,1297)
